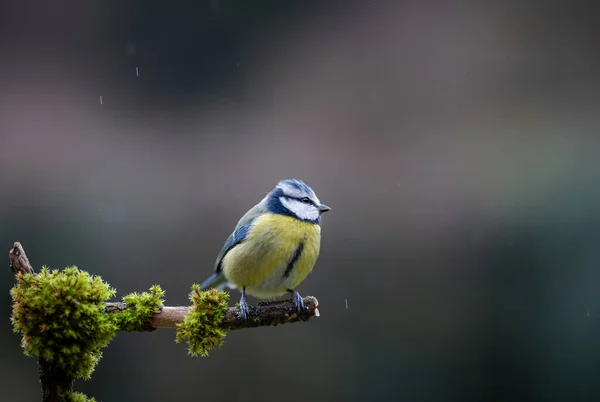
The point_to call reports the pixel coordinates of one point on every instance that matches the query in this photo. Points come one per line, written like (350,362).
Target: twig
(55,382)
(19,261)
(263,314)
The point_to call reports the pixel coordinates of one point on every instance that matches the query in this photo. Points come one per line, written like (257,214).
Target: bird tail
(217,281)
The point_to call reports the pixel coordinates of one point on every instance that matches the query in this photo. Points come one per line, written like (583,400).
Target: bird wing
(217,279)
(239,233)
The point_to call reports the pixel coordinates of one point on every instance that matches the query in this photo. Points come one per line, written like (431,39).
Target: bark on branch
(55,382)
(261,315)
(19,261)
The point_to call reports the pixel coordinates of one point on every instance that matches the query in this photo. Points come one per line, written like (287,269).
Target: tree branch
(55,382)
(263,314)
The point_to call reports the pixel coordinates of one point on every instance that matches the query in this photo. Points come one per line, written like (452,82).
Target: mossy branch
(66,321)
(262,315)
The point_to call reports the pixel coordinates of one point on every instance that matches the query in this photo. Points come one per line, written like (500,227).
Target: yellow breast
(278,254)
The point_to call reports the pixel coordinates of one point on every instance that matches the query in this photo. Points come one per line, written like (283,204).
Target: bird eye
(306,200)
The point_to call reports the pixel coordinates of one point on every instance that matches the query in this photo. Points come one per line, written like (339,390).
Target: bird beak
(323,208)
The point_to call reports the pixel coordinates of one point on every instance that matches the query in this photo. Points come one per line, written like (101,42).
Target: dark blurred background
(457,145)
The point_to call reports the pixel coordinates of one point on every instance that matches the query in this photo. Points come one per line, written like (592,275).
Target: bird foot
(244,309)
(297,300)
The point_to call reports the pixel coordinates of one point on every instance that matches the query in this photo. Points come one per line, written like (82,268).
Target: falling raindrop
(137,72)
(100,100)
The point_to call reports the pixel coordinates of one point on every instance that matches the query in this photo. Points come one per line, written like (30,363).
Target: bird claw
(297,300)
(244,309)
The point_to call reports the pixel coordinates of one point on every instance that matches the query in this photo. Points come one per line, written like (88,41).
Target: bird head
(294,198)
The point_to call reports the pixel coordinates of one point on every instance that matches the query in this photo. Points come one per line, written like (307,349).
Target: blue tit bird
(274,246)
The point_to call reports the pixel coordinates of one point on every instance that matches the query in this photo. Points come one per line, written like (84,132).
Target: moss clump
(201,327)
(61,317)
(140,307)
(75,397)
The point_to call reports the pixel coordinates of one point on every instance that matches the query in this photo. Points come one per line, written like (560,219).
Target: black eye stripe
(304,200)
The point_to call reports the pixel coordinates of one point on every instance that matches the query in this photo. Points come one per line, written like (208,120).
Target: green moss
(61,317)
(140,308)
(76,397)
(201,327)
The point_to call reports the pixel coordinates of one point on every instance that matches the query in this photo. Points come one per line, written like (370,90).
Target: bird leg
(244,310)
(297,300)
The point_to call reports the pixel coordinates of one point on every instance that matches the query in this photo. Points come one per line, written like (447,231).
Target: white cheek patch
(300,209)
